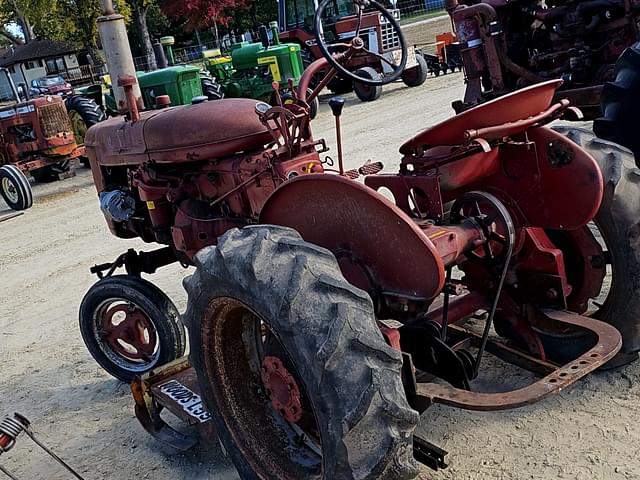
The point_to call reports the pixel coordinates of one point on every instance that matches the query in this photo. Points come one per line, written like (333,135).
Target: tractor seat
(204,131)
(519,105)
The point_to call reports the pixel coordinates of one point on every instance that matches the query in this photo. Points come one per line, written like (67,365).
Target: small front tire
(15,188)
(367,93)
(130,326)
(416,76)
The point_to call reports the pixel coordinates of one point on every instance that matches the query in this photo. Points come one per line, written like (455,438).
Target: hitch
(136,263)
(428,454)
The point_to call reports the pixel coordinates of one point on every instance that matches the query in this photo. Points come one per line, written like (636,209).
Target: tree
(70,20)
(140,9)
(203,13)
(15,11)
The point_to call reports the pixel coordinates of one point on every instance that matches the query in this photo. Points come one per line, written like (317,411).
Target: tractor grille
(390,38)
(54,119)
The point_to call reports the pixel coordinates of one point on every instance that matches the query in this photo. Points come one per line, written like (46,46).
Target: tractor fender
(555,186)
(378,246)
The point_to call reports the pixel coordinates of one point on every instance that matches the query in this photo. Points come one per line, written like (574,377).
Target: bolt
(552,294)
(597,261)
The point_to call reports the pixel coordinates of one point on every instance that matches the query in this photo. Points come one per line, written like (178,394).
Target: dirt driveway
(588,432)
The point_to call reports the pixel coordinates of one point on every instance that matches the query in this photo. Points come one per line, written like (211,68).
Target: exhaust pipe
(115,43)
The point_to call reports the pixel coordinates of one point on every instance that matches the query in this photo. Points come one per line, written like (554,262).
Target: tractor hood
(181,134)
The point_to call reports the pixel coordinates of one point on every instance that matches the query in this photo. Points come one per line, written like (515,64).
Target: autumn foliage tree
(204,13)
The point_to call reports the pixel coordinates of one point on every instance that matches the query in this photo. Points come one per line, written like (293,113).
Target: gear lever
(337,104)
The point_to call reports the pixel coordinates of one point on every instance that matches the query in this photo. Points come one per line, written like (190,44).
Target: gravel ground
(587,432)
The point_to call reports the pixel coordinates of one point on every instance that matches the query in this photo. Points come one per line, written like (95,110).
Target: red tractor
(36,137)
(506,45)
(323,316)
(339,25)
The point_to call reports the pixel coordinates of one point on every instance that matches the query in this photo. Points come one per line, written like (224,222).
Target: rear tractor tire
(416,76)
(15,188)
(84,113)
(292,365)
(618,225)
(211,89)
(367,93)
(130,326)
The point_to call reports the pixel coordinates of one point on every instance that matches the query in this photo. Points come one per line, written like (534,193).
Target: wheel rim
(10,190)
(79,126)
(259,394)
(366,90)
(410,75)
(598,304)
(126,334)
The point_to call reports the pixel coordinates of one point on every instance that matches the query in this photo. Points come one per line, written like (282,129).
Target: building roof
(36,49)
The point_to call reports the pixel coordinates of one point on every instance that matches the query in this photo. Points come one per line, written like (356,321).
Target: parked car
(51,85)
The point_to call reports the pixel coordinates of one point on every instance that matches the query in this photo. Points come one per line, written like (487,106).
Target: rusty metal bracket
(429,454)
(147,410)
(608,344)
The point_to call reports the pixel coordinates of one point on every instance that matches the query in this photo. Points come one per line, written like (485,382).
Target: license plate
(187,399)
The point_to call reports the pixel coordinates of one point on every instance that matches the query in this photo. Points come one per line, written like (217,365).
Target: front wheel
(292,365)
(416,76)
(367,93)
(314,106)
(15,188)
(130,326)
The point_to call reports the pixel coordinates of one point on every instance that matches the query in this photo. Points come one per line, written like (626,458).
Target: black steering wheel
(357,45)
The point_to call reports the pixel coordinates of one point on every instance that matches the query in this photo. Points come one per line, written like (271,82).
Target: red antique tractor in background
(509,45)
(339,25)
(324,316)
(37,138)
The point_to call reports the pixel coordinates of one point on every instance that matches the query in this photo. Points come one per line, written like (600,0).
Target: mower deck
(174,386)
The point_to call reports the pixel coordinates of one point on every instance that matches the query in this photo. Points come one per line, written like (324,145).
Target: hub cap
(10,190)
(259,394)
(282,389)
(126,335)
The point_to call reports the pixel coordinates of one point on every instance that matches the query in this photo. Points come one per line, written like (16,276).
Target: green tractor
(182,83)
(251,68)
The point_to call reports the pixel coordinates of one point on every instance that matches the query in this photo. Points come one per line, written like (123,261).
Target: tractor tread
(320,317)
(22,186)
(618,223)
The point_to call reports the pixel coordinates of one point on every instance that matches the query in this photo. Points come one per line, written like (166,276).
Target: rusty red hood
(187,133)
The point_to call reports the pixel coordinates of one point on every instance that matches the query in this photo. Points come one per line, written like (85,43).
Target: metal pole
(115,43)
(14,90)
